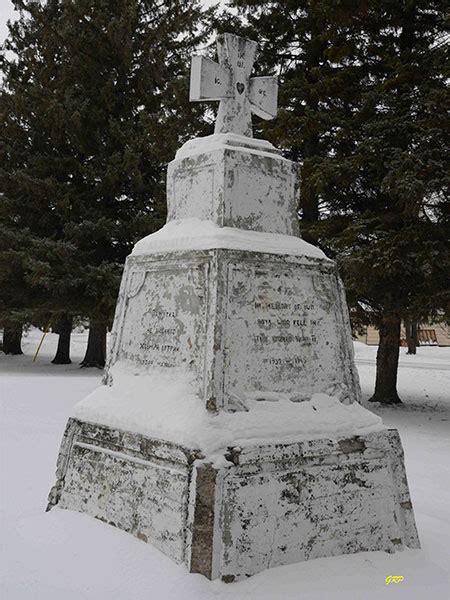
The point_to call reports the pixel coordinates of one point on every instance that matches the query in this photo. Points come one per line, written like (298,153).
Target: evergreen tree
(94,105)
(363,108)
(394,248)
(313,47)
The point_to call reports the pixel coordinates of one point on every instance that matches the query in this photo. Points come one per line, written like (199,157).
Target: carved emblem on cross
(229,82)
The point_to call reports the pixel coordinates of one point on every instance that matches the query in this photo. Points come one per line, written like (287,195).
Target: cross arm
(264,96)
(209,80)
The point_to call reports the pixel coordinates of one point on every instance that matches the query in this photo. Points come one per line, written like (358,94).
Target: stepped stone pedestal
(234,182)
(262,455)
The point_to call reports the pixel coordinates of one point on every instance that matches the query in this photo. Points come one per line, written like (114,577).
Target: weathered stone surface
(137,484)
(235,186)
(267,506)
(246,326)
(292,504)
(230,82)
(246,323)
(203,520)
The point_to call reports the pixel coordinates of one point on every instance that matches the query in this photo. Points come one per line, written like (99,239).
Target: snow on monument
(228,432)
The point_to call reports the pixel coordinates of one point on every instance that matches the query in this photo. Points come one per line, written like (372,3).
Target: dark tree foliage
(95,103)
(363,108)
(394,250)
(313,47)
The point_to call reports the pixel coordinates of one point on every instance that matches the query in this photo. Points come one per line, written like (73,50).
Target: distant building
(429,334)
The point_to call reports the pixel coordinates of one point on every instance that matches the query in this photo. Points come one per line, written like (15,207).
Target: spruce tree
(393,249)
(95,103)
(313,47)
(363,108)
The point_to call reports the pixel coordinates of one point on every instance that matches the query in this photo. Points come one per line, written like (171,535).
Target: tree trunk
(12,338)
(96,347)
(411,336)
(64,329)
(387,361)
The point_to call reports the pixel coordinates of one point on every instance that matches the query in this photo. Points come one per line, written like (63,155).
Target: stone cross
(229,82)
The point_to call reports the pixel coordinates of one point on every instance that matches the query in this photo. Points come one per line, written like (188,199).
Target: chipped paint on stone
(230,82)
(267,506)
(282,330)
(235,186)
(137,484)
(247,324)
(164,322)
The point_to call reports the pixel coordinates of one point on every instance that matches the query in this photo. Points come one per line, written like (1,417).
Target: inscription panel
(164,324)
(281,331)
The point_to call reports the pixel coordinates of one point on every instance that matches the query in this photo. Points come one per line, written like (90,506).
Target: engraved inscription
(165,324)
(281,331)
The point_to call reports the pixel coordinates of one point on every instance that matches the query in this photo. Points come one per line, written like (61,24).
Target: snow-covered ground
(63,555)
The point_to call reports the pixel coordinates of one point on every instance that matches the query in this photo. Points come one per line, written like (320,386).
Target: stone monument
(228,431)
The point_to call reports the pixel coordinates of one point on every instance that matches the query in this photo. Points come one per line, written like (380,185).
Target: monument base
(253,508)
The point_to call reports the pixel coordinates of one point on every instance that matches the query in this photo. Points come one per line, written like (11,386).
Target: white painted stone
(217,141)
(196,234)
(260,507)
(247,325)
(230,82)
(229,433)
(209,81)
(263,96)
(234,185)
